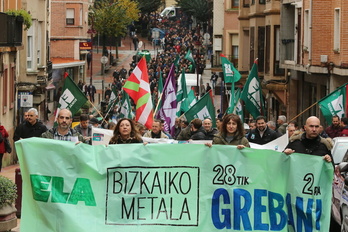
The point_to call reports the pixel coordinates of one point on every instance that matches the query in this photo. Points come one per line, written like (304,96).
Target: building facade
(68,32)
(313,52)
(10,46)
(259,30)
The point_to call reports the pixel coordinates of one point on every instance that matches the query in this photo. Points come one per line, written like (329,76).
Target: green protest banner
(170,187)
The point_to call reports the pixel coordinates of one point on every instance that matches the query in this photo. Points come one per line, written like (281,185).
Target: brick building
(68,30)
(314,51)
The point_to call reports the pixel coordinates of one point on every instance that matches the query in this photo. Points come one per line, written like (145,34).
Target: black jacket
(268,136)
(318,146)
(26,130)
(198,134)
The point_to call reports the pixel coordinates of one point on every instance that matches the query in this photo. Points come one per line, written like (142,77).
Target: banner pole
(98,111)
(303,111)
(158,102)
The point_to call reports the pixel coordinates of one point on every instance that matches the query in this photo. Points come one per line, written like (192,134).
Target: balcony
(12,28)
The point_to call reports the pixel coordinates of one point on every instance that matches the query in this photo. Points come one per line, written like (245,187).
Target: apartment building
(314,52)
(67,35)
(259,28)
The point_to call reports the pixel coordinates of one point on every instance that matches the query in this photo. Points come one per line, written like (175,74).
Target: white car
(339,188)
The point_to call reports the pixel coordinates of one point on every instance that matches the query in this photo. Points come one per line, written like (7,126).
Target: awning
(58,63)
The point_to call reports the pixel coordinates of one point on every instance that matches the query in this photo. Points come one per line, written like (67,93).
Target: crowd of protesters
(179,38)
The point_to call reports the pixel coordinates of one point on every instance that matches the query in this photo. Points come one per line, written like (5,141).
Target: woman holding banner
(125,132)
(232,132)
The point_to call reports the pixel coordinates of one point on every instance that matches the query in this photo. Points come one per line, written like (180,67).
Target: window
(30,48)
(234,3)
(11,88)
(262,1)
(268,49)
(337,26)
(246,3)
(70,16)
(306,31)
(5,91)
(235,47)
(277,70)
(81,17)
(39,39)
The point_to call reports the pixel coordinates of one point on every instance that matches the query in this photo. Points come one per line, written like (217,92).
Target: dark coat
(318,146)
(198,134)
(268,136)
(209,135)
(26,130)
(238,140)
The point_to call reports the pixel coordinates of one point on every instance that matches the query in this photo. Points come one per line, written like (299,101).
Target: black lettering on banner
(117,181)
(308,188)
(161,195)
(230,170)
(218,179)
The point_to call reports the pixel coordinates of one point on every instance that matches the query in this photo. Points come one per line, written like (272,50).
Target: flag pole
(98,111)
(304,111)
(158,102)
(112,106)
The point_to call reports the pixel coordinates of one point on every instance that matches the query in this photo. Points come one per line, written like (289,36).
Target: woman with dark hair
(125,132)
(232,132)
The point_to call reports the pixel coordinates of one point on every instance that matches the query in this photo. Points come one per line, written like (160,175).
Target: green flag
(188,102)
(189,57)
(72,97)
(232,105)
(334,104)
(181,93)
(125,108)
(252,93)
(203,109)
(160,85)
(177,60)
(238,110)
(231,74)
(113,99)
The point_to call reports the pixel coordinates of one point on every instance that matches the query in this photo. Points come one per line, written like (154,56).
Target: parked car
(339,206)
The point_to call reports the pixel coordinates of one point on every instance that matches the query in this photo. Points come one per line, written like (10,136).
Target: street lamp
(92,32)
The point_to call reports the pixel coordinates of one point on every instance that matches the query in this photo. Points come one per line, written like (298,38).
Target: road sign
(104,59)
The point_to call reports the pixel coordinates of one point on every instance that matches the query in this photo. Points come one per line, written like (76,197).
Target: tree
(149,6)
(111,17)
(202,10)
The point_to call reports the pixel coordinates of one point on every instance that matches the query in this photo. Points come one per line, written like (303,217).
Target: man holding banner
(63,131)
(310,142)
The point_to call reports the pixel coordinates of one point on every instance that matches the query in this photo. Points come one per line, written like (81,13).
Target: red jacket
(344,132)
(333,132)
(4,135)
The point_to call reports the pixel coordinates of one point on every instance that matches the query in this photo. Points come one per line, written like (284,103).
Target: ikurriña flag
(138,88)
(252,93)
(167,111)
(335,103)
